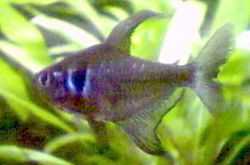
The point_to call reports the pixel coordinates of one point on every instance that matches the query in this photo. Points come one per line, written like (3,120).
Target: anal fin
(141,127)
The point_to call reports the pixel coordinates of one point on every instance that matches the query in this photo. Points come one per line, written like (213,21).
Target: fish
(105,83)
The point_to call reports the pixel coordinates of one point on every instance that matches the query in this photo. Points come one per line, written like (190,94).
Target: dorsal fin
(121,34)
(120,37)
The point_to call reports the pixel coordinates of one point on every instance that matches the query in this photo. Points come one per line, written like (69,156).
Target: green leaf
(59,142)
(69,31)
(11,153)
(36,111)
(84,8)
(236,150)
(20,55)
(20,31)
(234,12)
(67,13)
(102,5)
(218,131)
(237,69)
(147,35)
(24,2)
(14,83)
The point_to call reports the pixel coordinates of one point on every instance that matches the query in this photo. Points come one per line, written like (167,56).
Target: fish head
(50,84)
(63,86)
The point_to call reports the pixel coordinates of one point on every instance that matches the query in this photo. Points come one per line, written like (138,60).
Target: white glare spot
(142,66)
(175,3)
(134,66)
(243,41)
(182,32)
(87,86)
(70,83)
(57,74)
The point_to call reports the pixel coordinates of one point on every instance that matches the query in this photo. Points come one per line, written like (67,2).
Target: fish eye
(44,79)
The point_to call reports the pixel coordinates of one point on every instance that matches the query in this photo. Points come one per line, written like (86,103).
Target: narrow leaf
(11,153)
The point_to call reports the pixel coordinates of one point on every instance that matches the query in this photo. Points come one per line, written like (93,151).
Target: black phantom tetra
(106,83)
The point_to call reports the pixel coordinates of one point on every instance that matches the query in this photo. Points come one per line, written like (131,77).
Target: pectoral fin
(121,35)
(142,126)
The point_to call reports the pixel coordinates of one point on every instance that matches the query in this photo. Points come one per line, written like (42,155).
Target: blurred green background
(35,33)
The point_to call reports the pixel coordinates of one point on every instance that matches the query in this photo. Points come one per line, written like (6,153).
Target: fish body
(106,83)
(109,85)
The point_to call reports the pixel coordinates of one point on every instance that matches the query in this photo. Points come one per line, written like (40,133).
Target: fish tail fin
(210,58)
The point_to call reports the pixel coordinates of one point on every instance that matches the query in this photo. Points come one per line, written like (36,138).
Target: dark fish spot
(78,79)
